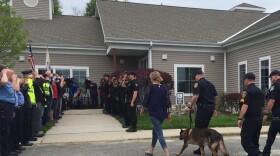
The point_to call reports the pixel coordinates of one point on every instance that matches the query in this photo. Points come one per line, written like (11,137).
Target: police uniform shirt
(131,87)
(254,98)
(7,93)
(105,87)
(206,92)
(274,93)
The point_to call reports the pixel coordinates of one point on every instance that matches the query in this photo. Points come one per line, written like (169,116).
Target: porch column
(150,65)
(115,60)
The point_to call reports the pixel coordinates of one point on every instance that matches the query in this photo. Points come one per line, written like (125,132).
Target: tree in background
(12,35)
(90,8)
(57,7)
(77,12)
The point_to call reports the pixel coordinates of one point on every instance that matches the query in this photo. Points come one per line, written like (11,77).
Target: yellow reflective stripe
(31,91)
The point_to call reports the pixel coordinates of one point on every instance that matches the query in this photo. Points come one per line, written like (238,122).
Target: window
(265,67)
(242,70)
(78,73)
(184,79)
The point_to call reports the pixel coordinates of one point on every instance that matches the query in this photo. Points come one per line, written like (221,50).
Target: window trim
(241,63)
(175,75)
(269,69)
(65,67)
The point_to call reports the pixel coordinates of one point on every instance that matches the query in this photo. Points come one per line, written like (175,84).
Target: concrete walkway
(94,126)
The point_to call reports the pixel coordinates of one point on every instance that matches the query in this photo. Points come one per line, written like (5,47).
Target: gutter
(67,46)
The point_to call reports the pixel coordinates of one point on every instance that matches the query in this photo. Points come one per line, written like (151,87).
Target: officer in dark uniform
(105,92)
(131,96)
(204,96)
(251,105)
(274,105)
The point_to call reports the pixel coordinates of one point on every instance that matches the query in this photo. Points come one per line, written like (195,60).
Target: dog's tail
(223,147)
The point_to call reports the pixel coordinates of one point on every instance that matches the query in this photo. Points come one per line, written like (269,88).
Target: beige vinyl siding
(214,71)
(251,54)
(41,11)
(98,65)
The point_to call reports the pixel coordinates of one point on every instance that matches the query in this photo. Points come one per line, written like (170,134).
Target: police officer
(8,86)
(105,93)
(251,105)
(131,96)
(274,105)
(204,96)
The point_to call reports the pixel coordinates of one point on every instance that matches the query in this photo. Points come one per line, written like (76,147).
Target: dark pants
(203,116)
(106,102)
(250,134)
(272,132)
(132,115)
(18,127)
(36,114)
(27,125)
(101,102)
(6,117)
(94,101)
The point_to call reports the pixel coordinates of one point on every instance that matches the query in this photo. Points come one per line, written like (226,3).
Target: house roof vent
(245,7)
(31,3)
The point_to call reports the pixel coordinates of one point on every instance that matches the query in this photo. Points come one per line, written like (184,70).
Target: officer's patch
(244,94)
(195,85)
(271,88)
(136,84)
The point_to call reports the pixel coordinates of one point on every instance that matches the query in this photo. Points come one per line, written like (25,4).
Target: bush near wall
(229,102)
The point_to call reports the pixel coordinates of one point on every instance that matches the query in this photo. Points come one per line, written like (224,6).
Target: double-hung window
(265,67)
(242,70)
(184,77)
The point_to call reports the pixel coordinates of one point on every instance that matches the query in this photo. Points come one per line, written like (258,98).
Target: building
(225,44)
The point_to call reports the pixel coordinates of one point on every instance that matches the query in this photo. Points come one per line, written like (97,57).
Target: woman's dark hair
(2,67)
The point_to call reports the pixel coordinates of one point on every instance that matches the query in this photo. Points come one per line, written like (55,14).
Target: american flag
(31,59)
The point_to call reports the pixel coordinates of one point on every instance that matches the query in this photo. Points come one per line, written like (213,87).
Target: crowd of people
(27,103)
(118,94)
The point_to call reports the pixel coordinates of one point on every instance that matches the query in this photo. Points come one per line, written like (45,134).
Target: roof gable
(151,22)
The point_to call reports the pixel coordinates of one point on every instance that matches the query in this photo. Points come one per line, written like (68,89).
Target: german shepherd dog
(202,137)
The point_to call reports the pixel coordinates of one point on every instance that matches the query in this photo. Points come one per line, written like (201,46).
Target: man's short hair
(2,67)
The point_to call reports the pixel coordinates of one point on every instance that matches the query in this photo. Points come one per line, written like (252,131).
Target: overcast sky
(270,5)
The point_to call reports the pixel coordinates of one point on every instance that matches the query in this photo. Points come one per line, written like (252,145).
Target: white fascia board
(50,9)
(248,8)
(68,47)
(101,22)
(253,34)
(243,29)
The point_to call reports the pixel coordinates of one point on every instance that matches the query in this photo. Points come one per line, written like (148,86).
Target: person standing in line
(131,96)
(251,105)
(274,106)
(158,103)
(204,96)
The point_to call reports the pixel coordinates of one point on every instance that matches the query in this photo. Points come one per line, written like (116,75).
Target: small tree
(12,36)
(90,8)
(57,7)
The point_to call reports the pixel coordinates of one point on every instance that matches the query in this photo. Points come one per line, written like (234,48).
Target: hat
(249,76)
(131,73)
(106,75)
(274,72)
(26,72)
(2,67)
(198,72)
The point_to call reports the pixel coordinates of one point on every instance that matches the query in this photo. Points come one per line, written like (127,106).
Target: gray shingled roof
(271,19)
(248,6)
(67,30)
(142,21)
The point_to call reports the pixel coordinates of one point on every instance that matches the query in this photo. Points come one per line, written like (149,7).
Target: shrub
(229,102)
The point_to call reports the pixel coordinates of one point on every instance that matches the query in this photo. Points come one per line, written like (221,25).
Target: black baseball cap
(2,67)
(131,73)
(26,72)
(198,72)
(249,76)
(274,72)
(106,75)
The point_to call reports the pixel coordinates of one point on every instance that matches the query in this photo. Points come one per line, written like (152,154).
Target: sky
(270,5)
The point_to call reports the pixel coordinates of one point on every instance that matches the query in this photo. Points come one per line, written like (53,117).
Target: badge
(195,85)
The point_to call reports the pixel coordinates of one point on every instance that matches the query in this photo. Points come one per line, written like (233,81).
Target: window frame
(246,67)
(186,66)
(269,69)
(65,67)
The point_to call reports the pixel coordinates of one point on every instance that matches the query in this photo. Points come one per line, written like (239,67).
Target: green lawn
(144,122)
(47,126)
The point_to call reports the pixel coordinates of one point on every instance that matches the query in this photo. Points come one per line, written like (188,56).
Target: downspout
(150,65)
(225,71)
